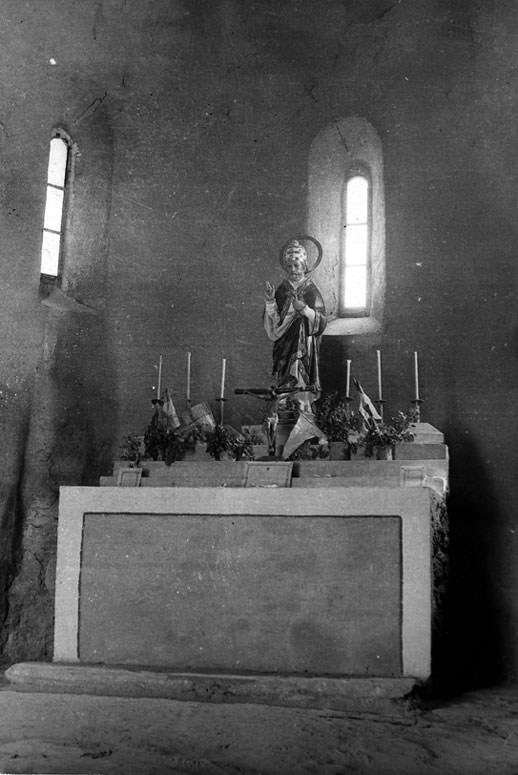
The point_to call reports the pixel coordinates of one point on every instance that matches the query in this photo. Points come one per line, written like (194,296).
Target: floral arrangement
(162,444)
(226,441)
(310,451)
(340,423)
(250,440)
(382,435)
(170,444)
(222,441)
(132,449)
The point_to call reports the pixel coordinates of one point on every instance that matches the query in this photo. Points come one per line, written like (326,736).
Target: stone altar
(316,594)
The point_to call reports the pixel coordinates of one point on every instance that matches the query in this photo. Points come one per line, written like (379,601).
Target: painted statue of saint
(295,319)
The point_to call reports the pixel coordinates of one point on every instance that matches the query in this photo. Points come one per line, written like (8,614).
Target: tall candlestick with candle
(222,398)
(188,378)
(348,380)
(223,367)
(380,390)
(417,401)
(159,384)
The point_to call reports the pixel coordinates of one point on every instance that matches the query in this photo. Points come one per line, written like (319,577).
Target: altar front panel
(313,582)
(299,595)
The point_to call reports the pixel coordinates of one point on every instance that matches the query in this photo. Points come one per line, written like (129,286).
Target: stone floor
(473,734)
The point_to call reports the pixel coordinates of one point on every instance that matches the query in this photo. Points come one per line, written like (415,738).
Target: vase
(224,455)
(259,451)
(197,452)
(384,453)
(339,450)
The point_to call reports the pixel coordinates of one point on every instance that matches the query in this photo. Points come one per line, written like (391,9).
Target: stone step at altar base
(359,694)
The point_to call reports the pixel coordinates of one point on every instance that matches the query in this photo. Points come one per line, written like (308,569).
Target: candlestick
(380,392)
(348,380)
(416,375)
(188,377)
(223,367)
(221,408)
(417,409)
(159,377)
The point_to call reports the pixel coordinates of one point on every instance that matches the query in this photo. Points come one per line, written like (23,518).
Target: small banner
(304,429)
(366,408)
(203,417)
(199,416)
(171,418)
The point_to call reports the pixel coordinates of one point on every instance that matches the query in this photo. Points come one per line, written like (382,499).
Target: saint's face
(295,268)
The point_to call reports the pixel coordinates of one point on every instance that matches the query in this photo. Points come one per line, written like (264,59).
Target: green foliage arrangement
(131,449)
(382,435)
(249,441)
(155,440)
(223,441)
(337,421)
(310,451)
(170,445)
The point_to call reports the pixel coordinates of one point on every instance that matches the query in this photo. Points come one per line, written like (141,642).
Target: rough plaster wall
(194,122)
(58,398)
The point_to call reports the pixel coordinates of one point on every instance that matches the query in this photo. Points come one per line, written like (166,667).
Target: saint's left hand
(298,305)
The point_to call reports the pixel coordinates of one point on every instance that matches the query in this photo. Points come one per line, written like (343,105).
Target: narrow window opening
(355,248)
(346,213)
(54,208)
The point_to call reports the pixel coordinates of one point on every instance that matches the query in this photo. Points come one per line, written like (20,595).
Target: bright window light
(355,246)
(52,224)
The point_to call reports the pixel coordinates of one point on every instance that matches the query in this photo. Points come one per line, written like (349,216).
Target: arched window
(346,213)
(53,223)
(355,280)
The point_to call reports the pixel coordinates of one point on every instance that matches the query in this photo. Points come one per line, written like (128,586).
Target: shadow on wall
(472,653)
(68,442)
(470,649)
(14,423)
(70,430)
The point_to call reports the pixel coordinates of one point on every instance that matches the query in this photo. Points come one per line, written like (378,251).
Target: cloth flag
(303,430)
(199,416)
(366,408)
(171,418)
(202,416)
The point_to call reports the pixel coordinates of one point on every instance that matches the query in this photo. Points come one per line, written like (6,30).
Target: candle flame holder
(380,403)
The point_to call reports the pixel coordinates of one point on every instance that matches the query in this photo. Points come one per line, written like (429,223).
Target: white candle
(348,379)
(380,392)
(416,375)
(188,376)
(223,367)
(159,377)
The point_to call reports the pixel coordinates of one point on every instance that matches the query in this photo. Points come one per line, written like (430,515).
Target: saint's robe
(296,336)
